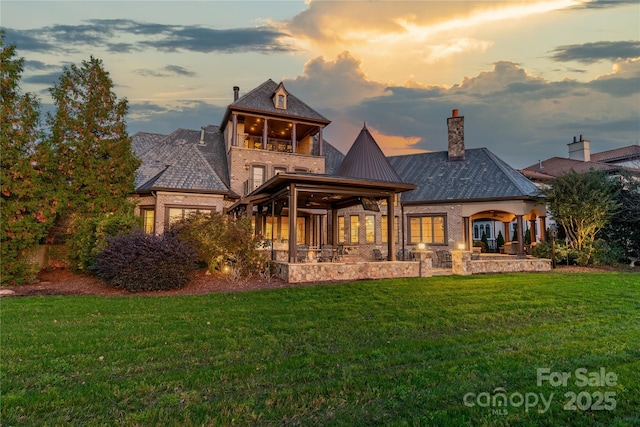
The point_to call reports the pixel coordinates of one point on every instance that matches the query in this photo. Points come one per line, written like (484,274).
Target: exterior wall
(509,265)
(163,200)
(455,224)
(241,159)
(329,271)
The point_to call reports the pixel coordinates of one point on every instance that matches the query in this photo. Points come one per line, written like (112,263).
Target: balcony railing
(273,144)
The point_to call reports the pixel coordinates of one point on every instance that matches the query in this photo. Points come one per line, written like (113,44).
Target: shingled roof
(558,166)
(481,176)
(622,153)
(178,162)
(366,160)
(260,100)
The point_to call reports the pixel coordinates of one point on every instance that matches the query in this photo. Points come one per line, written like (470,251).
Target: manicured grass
(394,352)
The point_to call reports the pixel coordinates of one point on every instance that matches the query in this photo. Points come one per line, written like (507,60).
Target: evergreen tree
(96,164)
(29,197)
(89,134)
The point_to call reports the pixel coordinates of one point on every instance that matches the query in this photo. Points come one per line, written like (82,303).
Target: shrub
(219,240)
(91,236)
(143,262)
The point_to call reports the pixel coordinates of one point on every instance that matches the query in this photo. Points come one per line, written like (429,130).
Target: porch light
(461,246)
(422,246)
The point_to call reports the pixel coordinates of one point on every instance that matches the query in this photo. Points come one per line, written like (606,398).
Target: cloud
(164,119)
(112,33)
(168,71)
(43,79)
(337,82)
(601,4)
(589,53)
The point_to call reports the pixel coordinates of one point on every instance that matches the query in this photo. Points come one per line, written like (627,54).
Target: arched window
(488,231)
(475,232)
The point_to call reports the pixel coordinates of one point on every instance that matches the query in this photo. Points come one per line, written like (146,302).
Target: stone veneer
(327,271)
(515,265)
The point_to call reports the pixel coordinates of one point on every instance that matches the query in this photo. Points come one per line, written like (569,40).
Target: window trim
(430,215)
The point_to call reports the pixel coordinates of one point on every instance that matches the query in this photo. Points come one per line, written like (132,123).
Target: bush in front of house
(144,262)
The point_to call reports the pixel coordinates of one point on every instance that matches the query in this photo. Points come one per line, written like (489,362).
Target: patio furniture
(339,252)
(377,255)
(404,255)
(302,253)
(443,259)
(327,253)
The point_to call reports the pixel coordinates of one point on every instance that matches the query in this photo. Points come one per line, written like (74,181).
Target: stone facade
(510,265)
(330,271)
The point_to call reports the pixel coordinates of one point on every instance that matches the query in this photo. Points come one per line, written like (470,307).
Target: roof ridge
(260,86)
(507,170)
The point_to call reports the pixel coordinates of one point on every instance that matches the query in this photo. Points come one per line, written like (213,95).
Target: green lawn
(391,352)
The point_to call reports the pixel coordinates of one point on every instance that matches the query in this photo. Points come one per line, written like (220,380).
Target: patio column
(532,230)
(466,232)
(391,243)
(234,127)
(293,208)
(507,232)
(265,134)
(320,146)
(294,137)
(519,223)
(334,227)
(543,228)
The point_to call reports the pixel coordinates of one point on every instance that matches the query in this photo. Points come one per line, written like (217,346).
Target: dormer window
(280,97)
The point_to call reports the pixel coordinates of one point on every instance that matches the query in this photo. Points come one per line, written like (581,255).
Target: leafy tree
(623,231)
(29,196)
(88,132)
(582,204)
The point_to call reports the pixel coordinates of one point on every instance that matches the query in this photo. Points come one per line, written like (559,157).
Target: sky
(527,76)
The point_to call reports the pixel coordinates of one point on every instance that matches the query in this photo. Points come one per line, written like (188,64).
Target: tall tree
(29,196)
(89,133)
(623,231)
(582,204)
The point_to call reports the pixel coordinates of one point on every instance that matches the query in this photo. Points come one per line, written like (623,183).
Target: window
(305,170)
(427,229)
(300,230)
(354,222)
(279,169)
(148,220)
(341,232)
(370,228)
(488,231)
(476,232)
(281,101)
(176,214)
(257,176)
(396,229)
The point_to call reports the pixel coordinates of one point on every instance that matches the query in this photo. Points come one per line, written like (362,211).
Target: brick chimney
(455,124)
(580,149)
(236,93)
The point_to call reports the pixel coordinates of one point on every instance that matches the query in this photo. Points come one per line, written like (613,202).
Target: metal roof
(366,160)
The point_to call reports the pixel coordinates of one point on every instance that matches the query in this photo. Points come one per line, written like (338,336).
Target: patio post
(391,252)
(293,208)
(543,228)
(520,224)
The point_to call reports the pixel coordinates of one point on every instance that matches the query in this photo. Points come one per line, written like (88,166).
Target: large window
(148,220)
(354,222)
(257,176)
(370,228)
(176,214)
(341,231)
(396,229)
(427,229)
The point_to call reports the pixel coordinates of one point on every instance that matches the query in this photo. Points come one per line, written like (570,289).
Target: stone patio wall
(328,271)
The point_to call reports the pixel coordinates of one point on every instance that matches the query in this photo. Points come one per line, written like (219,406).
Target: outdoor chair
(377,255)
(339,252)
(404,255)
(443,259)
(326,253)
(303,253)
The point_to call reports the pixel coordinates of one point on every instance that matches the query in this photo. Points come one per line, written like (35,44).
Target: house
(268,158)
(580,160)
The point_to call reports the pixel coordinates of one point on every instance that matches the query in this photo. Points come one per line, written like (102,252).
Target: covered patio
(317,199)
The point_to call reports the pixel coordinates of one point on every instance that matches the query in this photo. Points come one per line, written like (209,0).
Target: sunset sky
(527,75)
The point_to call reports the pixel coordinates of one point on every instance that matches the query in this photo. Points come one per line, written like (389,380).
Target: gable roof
(558,166)
(260,100)
(481,176)
(617,154)
(366,160)
(176,162)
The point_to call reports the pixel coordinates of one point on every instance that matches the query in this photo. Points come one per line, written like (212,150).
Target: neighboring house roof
(366,160)
(558,166)
(260,100)
(176,162)
(617,154)
(480,176)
